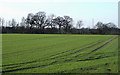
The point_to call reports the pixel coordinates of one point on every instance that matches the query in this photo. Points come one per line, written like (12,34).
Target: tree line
(40,23)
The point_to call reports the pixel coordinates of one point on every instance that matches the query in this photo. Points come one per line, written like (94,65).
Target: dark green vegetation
(47,53)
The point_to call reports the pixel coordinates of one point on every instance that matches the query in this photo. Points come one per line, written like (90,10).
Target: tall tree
(67,23)
(0,22)
(13,23)
(111,25)
(59,21)
(49,22)
(79,24)
(30,21)
(39,19)
(23,22)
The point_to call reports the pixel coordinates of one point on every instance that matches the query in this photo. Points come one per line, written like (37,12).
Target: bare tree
(0,22)
(79,23)
(111,25)
(99,25)
(13,23)
(23,22)
(29,20)
(67,23)
(39,19)
(49,22)
(59,21)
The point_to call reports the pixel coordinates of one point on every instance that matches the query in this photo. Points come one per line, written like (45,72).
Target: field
(59,53)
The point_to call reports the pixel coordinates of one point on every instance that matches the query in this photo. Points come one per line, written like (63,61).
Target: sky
(89,11)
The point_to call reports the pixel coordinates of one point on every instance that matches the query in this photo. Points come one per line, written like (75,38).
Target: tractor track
(37,60)
(15,65)
(103,45)
(28,68)
(57,57)
(100,47)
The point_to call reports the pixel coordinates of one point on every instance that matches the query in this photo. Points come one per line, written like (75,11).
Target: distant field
(55,53)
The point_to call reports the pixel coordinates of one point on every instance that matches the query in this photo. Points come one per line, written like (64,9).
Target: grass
(58,53)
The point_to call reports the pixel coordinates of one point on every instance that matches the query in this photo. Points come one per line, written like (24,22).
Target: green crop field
(59,53)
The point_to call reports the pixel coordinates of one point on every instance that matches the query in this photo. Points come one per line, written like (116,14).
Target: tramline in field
(58,53)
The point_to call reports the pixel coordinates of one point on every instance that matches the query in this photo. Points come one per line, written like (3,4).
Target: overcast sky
(86,10)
